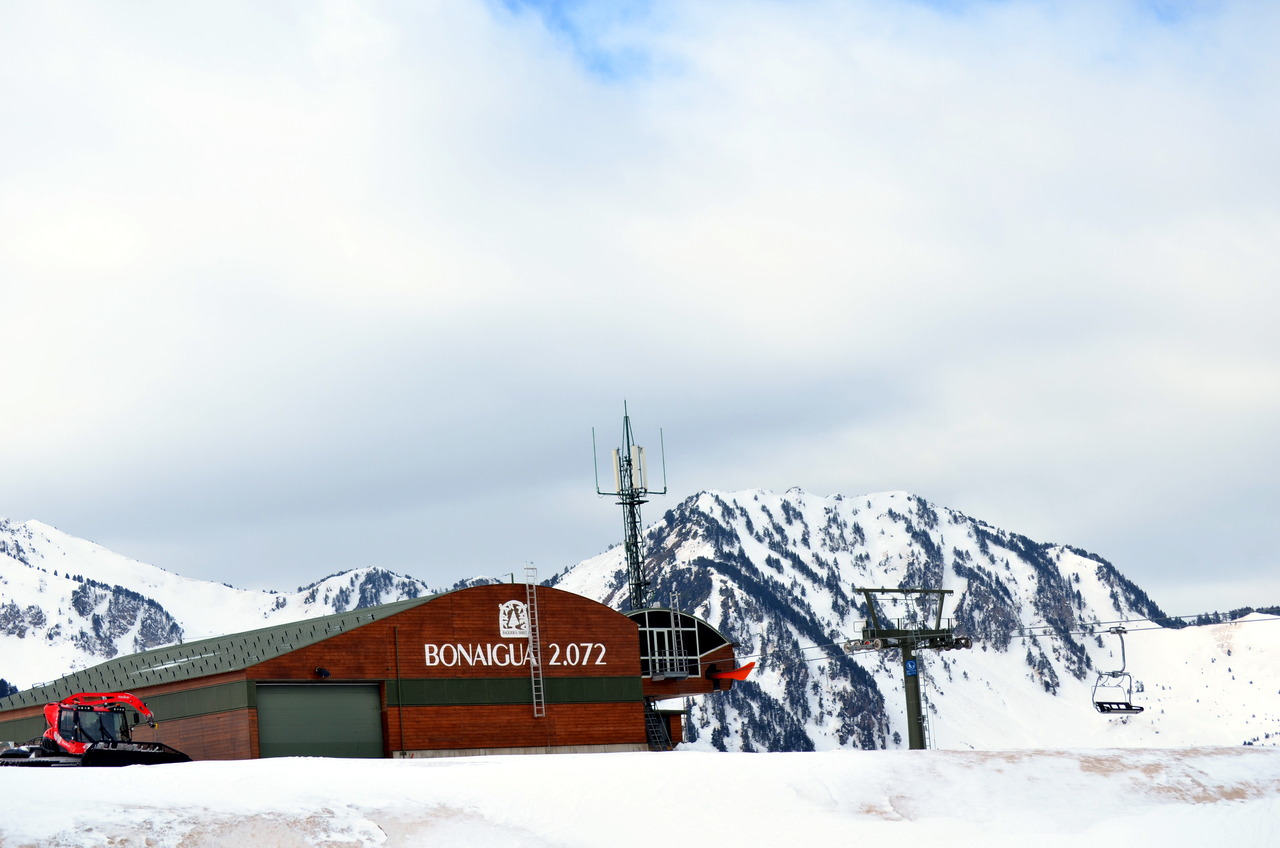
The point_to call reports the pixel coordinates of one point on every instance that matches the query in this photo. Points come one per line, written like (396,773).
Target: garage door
(319,721)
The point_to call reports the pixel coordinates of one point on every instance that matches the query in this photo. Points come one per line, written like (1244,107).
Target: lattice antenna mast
(631,488)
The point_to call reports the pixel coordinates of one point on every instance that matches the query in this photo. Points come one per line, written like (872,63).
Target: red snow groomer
(92,729)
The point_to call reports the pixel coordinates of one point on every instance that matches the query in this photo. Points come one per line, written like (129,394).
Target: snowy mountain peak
(66,603)
(777,573)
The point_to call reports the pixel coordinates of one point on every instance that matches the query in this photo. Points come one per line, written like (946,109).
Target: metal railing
(911,622)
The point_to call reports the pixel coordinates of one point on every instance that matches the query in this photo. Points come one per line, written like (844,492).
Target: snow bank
(1208,796)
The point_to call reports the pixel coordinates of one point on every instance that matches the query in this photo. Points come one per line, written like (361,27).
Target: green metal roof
(204,658)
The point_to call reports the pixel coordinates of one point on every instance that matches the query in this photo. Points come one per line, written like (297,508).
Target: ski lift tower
(631,487)
(880,635)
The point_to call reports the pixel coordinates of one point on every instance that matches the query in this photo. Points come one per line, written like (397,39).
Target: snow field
(1168,797)
(1193,691)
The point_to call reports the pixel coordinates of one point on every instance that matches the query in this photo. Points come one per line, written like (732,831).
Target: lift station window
(671,643)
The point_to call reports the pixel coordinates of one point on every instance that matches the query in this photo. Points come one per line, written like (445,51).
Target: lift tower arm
(909,639)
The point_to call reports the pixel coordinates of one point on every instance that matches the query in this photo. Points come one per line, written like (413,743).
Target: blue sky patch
(591,31)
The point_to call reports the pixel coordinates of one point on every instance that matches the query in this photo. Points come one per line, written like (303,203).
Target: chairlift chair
(1116,684)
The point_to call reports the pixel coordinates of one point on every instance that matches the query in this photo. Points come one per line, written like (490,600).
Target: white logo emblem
(513,620)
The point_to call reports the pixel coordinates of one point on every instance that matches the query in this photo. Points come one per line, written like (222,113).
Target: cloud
(296,288)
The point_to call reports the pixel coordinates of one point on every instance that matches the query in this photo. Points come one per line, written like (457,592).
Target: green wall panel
(20,730)
(319,720)
(593,690)
(202,701)
(512,690)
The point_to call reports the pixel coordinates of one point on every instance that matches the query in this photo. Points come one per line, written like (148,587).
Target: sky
(290,288)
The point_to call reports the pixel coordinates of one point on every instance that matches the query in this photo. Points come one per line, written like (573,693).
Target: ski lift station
(501,668)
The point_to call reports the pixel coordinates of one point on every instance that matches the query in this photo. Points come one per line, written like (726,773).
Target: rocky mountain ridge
(776,573)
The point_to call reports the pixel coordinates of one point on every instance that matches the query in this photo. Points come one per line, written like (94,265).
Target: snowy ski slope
(1167,798)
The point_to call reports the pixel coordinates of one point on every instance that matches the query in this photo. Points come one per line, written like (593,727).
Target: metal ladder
(924,716)
(535,642)
(655,729)
(679,663)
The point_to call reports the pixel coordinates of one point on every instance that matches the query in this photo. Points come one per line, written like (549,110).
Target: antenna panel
(644,471)
(637,477)
(617,471)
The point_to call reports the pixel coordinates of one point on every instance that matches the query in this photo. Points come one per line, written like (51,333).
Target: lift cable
(1048,631)
(1045,630)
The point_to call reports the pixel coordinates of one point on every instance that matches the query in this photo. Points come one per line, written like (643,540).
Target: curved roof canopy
(672,643)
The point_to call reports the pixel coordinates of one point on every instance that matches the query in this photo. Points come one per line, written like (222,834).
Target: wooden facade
(231,735)
(451,674)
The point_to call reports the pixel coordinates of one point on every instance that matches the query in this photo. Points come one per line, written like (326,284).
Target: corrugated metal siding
(593,690)
(319,720)
(512,690)
(22,729)
(203,701)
